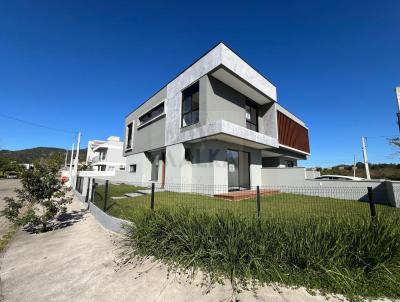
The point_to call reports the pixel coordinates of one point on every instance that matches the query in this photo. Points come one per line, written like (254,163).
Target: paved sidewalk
(79,263)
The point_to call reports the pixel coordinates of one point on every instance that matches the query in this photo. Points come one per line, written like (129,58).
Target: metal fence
(124,199)
(79,184)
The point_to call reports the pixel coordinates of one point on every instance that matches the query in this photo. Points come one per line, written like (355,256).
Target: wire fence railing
(289,202)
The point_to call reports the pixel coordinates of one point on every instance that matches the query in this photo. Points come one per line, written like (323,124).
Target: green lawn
(317,242)
(113,191)
(285,205)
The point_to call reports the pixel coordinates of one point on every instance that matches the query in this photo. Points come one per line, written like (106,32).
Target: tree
(9,165)
(395,142)
(42,194)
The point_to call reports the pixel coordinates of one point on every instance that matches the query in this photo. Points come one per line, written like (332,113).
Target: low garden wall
(109,222)
(385,192)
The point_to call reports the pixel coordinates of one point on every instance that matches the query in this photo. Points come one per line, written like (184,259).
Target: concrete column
(255,168)
(177,169)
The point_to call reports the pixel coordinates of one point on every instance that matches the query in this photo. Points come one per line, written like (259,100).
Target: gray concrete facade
(226,83)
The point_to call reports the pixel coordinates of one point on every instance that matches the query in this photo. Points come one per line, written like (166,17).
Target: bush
(42,195)
(354,258)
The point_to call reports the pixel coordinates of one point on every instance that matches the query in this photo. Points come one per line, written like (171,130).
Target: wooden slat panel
(292,134)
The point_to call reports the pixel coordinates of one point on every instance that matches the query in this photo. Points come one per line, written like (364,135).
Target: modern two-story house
(217,123)
(106,155)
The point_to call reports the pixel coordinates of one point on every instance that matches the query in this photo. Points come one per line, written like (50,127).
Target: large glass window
(154,167)
(129,136)
(251,116)
(153,113)
(190,105)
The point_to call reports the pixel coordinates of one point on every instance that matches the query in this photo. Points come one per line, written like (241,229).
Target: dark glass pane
(187,119)
(191,90)
(195,101)
(195,116)
(248,113)
(129,143)
(157,111)
(251,126)
(187,104)
(233,169)
(253,115)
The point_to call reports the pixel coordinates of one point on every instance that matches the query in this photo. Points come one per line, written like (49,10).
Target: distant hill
(30,155)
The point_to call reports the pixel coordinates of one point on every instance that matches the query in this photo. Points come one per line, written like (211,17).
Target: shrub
(42,194)
(354,258)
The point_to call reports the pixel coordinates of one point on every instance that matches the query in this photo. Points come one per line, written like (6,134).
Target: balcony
(229,132)
(98,158)
(95,159)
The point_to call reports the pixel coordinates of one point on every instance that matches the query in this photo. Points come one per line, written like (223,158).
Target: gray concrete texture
(81,262)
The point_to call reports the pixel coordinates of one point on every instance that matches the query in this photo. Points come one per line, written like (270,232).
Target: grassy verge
(354,257)
(284,205)
(317,242)
(5,239)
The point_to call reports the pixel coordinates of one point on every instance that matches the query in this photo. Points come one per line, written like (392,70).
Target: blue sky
(86,64)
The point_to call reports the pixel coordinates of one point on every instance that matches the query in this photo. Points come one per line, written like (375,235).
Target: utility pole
(70,164)
(364,149)
(77,159)
(354,167)
(398,105)
(66,158)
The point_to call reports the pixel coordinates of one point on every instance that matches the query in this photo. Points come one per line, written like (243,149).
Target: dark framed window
(103,155)
(132,168)
(251,116)
(188,154)
(190,105)
(129,129)
(153,113)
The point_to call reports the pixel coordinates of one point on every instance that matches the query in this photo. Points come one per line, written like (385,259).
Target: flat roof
(198,59)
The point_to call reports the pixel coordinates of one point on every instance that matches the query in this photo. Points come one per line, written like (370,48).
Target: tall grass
(357,258)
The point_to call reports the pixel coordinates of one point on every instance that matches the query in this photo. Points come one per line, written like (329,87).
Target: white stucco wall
(143,168)
(177,169)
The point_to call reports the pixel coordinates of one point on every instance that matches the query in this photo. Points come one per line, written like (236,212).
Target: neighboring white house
(106,155)
(216,123)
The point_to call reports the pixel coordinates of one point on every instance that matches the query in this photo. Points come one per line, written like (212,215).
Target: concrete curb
(109,222)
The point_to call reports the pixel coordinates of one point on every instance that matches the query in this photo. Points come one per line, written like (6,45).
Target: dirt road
(7,187)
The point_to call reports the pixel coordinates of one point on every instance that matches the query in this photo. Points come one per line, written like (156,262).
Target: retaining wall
(107,221)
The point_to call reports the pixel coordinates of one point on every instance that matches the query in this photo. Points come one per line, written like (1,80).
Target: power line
(382,136)
(35,124)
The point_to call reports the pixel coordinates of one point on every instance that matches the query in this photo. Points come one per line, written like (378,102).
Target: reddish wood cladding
(292,134)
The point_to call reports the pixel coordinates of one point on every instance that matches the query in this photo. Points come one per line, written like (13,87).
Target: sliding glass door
(238,170)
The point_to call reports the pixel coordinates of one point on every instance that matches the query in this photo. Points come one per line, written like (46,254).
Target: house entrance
(238,170)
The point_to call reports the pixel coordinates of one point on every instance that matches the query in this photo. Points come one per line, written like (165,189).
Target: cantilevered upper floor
(106,155)
(218,97)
